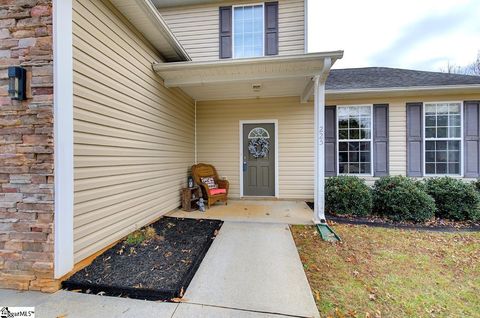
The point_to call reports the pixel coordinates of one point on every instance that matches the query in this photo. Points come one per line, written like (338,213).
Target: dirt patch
(437,225)
(159,268)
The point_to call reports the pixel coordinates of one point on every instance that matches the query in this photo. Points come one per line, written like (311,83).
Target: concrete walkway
(252,270)
(256,267)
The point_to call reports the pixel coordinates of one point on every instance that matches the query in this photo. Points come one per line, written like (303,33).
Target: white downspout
(319,147)
(195,132)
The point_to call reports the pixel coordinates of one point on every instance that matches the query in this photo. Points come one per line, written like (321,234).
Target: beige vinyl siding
(196,27)
(133,138)
(218,133)
(398,122)
(397,135)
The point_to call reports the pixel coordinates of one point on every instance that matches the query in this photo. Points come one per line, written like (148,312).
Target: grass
(378,272)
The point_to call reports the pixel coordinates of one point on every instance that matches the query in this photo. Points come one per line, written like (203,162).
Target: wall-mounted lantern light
(17,80)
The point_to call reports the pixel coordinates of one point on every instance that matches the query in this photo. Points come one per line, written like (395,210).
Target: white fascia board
(198,65)
(472,88)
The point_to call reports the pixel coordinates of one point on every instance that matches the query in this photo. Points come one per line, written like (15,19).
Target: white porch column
(319,148)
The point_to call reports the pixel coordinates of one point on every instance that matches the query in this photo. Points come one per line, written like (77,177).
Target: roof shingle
(384,77)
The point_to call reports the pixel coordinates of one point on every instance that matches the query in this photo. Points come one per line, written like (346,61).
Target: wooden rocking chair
(203,170)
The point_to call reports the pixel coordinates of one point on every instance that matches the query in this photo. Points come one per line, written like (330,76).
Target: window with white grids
(354,132)
(248,31)
(443,138)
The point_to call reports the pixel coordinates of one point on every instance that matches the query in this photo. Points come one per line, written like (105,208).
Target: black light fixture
(17,80)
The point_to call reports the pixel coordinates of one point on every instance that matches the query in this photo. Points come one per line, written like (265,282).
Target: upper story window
(354,139)
(443,138)
(248,31)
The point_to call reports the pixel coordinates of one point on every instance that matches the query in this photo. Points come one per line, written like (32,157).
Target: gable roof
(385,77)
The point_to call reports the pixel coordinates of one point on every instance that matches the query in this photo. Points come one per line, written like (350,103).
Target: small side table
(190,197)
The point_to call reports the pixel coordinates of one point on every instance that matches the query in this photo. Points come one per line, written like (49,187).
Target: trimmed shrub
(454,199)
(347,195)
(402,199)
(476,184)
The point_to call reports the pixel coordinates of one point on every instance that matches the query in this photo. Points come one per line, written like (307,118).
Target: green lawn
(378,272)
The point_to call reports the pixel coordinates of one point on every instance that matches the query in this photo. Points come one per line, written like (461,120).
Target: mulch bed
(439,225)
(157,269)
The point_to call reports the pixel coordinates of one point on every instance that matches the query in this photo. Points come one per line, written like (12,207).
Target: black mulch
(157,269)
(437,225)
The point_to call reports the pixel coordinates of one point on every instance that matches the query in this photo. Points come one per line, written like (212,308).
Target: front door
(259,159)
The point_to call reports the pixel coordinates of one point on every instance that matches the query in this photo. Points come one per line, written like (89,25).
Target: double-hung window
(248,31)
(443,138)
(354,135)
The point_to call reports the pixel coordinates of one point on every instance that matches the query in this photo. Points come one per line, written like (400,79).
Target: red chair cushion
(217,191)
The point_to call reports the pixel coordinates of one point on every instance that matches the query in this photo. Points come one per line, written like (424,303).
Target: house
(124,96)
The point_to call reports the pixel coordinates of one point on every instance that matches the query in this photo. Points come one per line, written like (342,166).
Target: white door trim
(258,121)
(63,136)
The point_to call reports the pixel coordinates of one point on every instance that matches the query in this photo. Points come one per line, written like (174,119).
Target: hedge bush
(347,195)
(476,184)
(402,199)
(454,199)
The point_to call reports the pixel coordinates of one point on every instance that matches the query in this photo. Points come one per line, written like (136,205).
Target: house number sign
(320,135)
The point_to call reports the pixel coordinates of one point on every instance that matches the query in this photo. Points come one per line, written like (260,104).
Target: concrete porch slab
(255,267)
(262,211)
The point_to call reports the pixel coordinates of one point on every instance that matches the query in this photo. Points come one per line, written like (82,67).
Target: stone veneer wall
(26,148)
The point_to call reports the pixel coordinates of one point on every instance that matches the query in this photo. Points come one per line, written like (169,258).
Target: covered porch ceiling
(261,77)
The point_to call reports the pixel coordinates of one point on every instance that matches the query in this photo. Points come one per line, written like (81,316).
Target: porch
(260,210)
(234,98)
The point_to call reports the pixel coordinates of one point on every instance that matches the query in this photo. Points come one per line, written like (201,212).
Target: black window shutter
(330,141)
(380,140)
(414,140)
(471,132)
(225,31)
(271,28)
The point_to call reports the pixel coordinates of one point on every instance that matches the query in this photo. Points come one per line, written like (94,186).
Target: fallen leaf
(372,297)
(338,313)
(102,293)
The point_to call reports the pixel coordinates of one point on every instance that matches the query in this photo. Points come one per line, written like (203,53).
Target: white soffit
(233,78)
(146,18)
